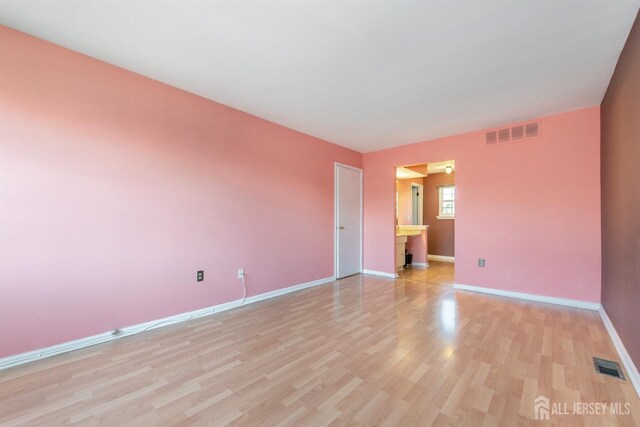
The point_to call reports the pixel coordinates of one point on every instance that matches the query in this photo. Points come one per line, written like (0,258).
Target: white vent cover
(514,133)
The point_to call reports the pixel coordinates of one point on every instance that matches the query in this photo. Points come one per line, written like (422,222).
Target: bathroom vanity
(413,237)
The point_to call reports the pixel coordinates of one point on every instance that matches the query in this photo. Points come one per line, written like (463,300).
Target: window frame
(440,202)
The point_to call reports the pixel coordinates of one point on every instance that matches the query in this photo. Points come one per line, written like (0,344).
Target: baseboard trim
(530,297)
(31,356)
(380,273)
(441,258)
(630,367)
(420,264)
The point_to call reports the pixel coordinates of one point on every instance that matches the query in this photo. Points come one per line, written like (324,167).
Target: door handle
(340,228)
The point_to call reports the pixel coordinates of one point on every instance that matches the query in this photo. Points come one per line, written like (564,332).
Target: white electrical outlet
(240,273)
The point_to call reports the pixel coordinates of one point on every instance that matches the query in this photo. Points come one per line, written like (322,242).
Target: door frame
(336,250)
(420,188)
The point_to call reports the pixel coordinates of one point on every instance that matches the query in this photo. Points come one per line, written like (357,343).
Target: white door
(348,220)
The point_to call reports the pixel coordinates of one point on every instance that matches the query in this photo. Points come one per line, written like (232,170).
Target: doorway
(348,220)
(425,221)
(417,204)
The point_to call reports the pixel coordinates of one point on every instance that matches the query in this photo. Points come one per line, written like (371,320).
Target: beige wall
(403,187)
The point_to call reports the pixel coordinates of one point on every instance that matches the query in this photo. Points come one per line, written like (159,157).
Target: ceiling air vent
(531,129)
(515,133)
(492,137)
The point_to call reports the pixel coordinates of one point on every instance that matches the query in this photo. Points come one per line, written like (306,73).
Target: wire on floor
(244,297)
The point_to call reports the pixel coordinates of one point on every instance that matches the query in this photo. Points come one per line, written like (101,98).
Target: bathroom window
(447,196)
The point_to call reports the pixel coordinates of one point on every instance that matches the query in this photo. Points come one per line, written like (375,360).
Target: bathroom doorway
(425,222)
(417,203)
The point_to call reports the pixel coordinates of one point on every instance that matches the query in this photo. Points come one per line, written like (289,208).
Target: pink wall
(531,208)
(115,189)
(418,247)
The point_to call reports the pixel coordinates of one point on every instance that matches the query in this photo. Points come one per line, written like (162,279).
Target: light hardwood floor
(437,273)
(360,351)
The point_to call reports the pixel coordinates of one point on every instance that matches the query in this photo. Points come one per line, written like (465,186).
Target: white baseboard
(22,358)
(441,258)
(630,367)
(530,297)
(380,273)
(420,264)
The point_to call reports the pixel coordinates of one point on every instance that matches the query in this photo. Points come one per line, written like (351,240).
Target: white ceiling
(363,74)
(405,172)
(438,167)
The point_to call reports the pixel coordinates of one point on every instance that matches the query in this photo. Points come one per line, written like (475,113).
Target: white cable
(166,321)
(244,297)
(244,293)
(244,290)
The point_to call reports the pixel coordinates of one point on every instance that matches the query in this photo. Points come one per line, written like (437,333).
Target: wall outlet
(240,273)
(480,262)
(200,276)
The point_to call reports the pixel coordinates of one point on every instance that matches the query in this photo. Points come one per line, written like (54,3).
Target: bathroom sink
(410,230)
